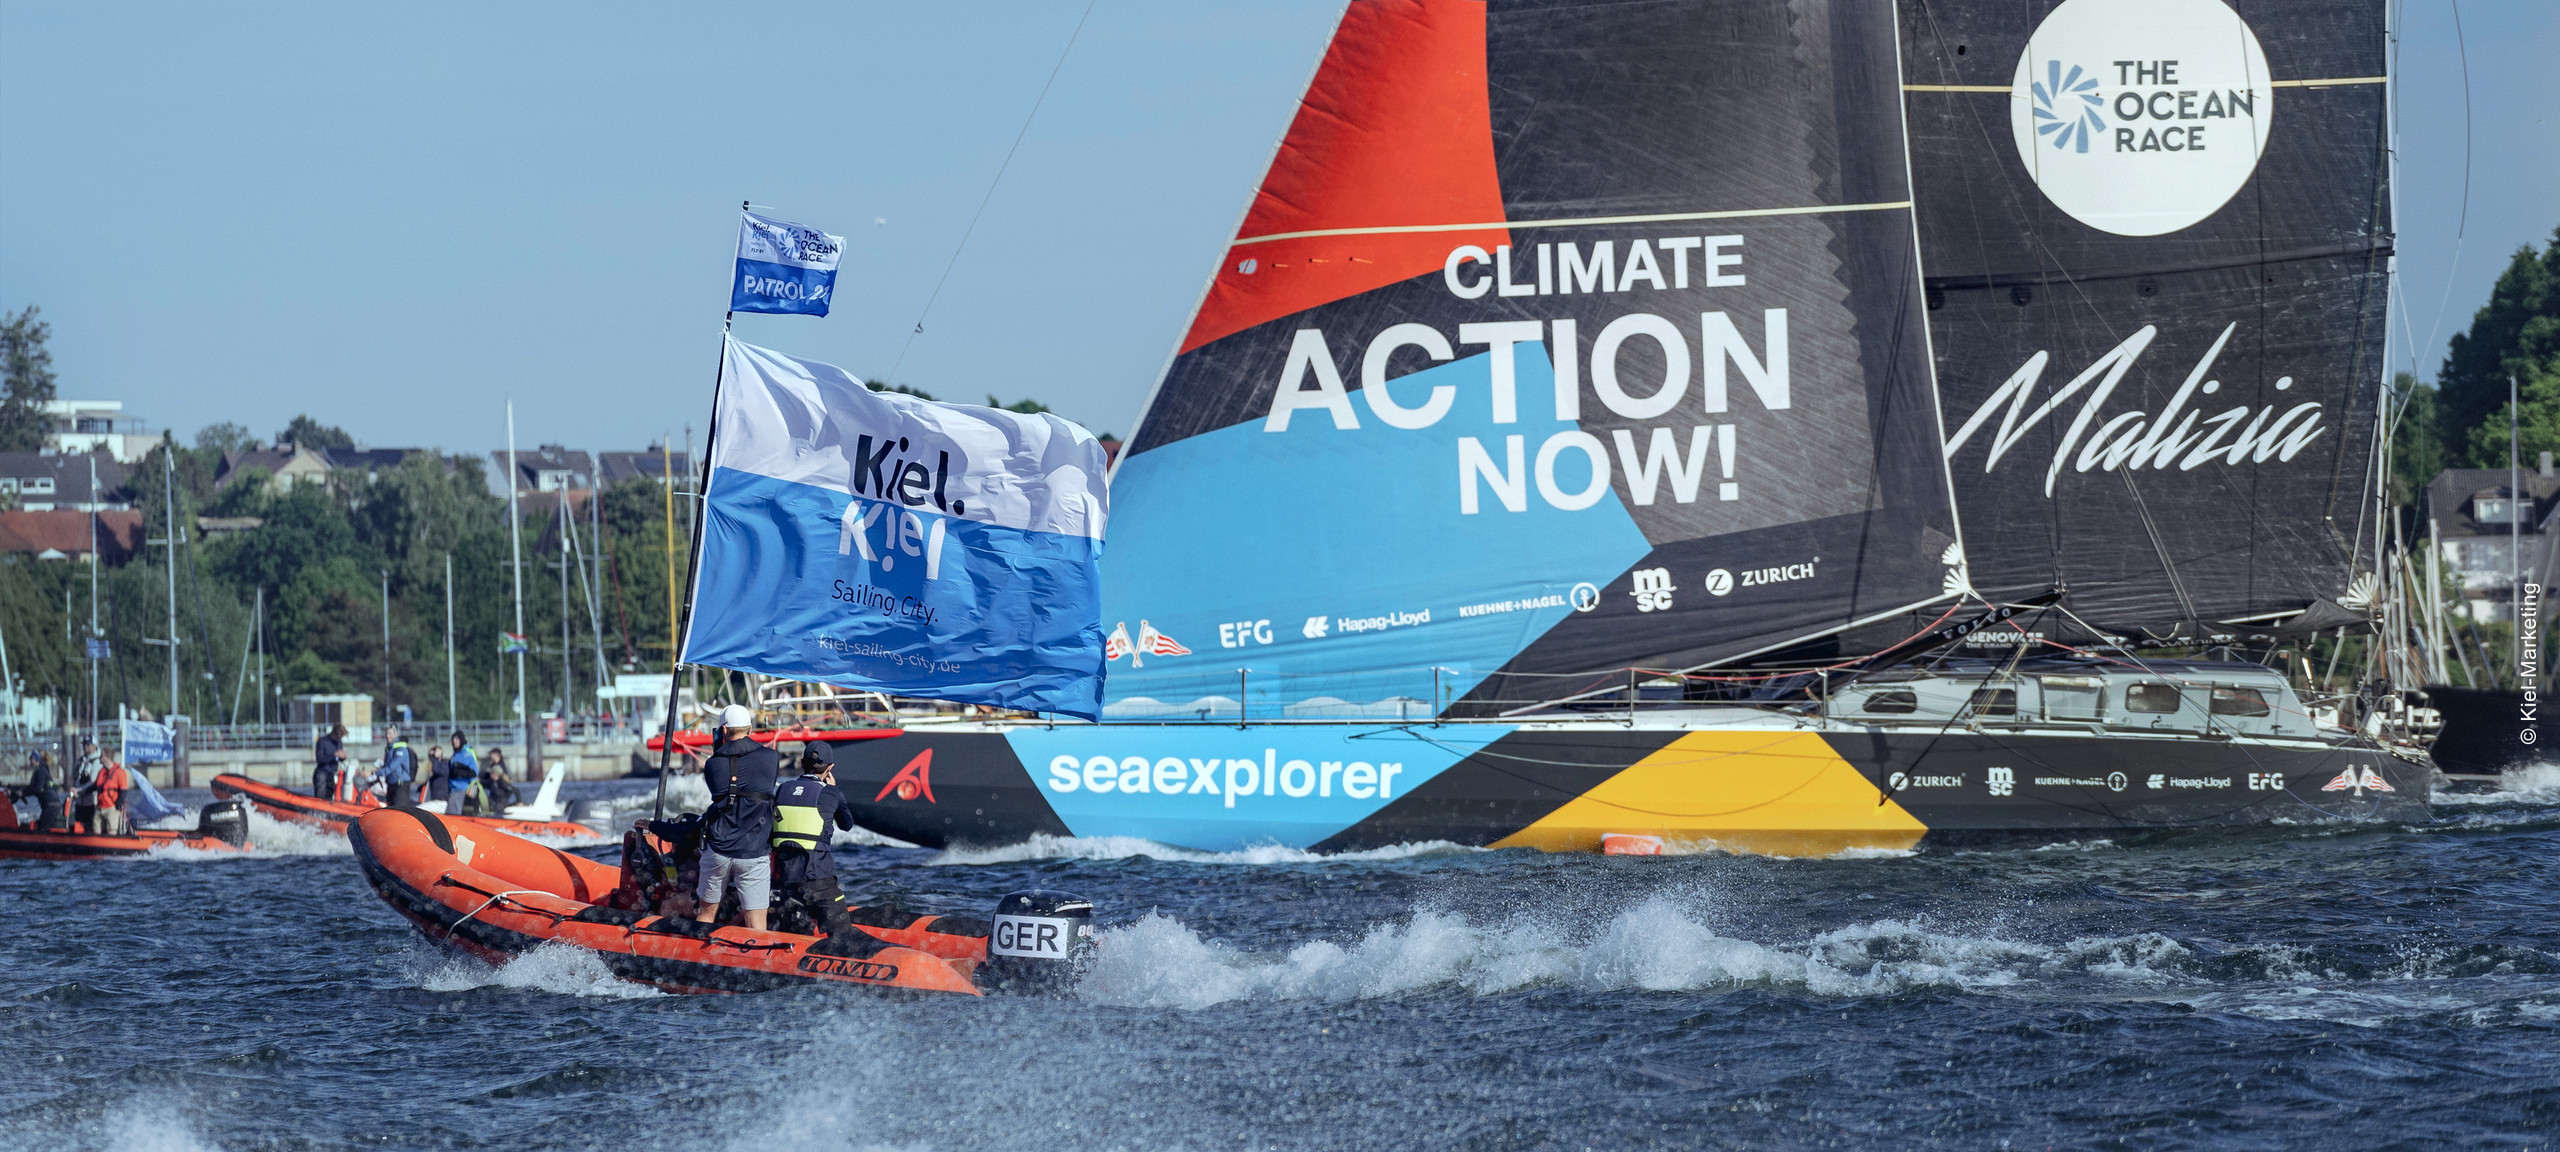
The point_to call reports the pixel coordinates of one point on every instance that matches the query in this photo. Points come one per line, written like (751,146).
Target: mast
(94,632)
(566,652)
(452,698)
(515,549)
(169,533)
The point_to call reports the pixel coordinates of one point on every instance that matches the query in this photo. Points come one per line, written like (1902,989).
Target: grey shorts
(754,877)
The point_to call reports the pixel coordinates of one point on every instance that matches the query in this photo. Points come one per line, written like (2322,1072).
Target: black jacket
(741,775)
(797,864)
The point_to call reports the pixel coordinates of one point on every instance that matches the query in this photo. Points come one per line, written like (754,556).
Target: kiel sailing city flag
(877,541)
(783,267)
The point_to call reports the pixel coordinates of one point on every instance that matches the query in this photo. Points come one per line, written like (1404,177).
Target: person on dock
(497,785)
(460,769)
(806,812)
(737,844)
(399,770)
(326,753)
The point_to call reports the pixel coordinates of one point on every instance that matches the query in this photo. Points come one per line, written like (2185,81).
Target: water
(2276,988)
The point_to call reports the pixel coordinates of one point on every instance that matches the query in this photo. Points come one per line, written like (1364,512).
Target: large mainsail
(1560,338)
(2157,235)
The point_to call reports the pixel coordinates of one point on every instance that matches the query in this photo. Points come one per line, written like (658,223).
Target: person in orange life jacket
(112,783)
(326,753)
(459,769)
(806,811)
(738,830)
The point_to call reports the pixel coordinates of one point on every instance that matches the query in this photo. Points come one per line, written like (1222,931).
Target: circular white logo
(1586,596)
(1896,781)
(2140,117)
(2115,781)
(1719,582)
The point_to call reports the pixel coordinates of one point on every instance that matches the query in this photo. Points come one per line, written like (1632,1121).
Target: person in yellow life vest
(113,781)
(806,812)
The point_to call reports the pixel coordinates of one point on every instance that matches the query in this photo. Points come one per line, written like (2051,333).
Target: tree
(224,437)
(2516,333)
(2417,453)
(310,433)
(27,369)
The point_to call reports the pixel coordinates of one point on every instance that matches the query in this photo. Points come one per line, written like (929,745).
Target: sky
(399,219)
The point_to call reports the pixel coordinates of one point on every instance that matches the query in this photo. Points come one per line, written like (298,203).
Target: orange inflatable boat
(336,816)
(221,827)
(496,896)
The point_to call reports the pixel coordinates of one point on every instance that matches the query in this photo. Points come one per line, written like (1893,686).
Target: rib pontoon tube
(335,816)
(221,828)
(497,896)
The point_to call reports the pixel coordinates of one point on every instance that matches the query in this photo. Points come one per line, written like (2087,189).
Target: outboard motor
(1038,942)
(225,820)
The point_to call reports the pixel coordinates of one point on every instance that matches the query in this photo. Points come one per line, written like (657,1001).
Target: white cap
(737,716)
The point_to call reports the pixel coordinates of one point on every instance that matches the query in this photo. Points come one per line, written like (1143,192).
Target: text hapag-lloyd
(1562,270)
(1222,777)
(906,482)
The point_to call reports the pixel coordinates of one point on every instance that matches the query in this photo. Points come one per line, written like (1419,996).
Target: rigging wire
(965,233)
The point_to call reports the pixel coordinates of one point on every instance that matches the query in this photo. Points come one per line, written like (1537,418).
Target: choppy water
(2279,988)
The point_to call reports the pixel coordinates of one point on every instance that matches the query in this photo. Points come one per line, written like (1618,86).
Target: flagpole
(693,560)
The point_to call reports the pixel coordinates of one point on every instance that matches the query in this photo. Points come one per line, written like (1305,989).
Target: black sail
(2159,340)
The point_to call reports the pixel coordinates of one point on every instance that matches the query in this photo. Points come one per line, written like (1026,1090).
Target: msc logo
(2001,781)
(849,969)
(1652,589)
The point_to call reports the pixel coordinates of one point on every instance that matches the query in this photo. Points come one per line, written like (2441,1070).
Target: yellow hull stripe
(1770,793)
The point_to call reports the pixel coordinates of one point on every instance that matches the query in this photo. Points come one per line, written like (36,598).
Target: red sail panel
(1394,132)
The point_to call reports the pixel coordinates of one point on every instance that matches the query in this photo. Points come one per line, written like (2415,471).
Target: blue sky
(399,218)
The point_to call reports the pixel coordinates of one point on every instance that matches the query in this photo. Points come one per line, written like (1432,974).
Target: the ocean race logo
(2141,117)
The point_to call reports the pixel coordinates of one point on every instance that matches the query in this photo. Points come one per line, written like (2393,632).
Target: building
(83,426)
(651,463)
(60,534)
(285,465)
(2482,527)
(48,482)
(550,468)
(290,464)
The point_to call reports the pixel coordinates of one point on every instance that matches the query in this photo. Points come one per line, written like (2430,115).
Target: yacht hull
(1773,788)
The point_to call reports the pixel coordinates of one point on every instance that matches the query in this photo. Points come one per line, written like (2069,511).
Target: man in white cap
(738,831)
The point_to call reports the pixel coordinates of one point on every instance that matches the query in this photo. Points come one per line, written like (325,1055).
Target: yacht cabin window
(2152,697)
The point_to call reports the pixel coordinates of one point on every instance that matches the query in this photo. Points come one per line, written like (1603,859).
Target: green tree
(2417,452)
(311,433)
(26,369)
(2516,333)
(225,437)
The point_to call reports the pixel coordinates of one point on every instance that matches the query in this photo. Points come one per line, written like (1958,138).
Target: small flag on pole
(509,644)
(783,267)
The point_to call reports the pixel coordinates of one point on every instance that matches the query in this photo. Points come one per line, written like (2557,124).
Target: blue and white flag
(783,267)
(149,743)
(878,541)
